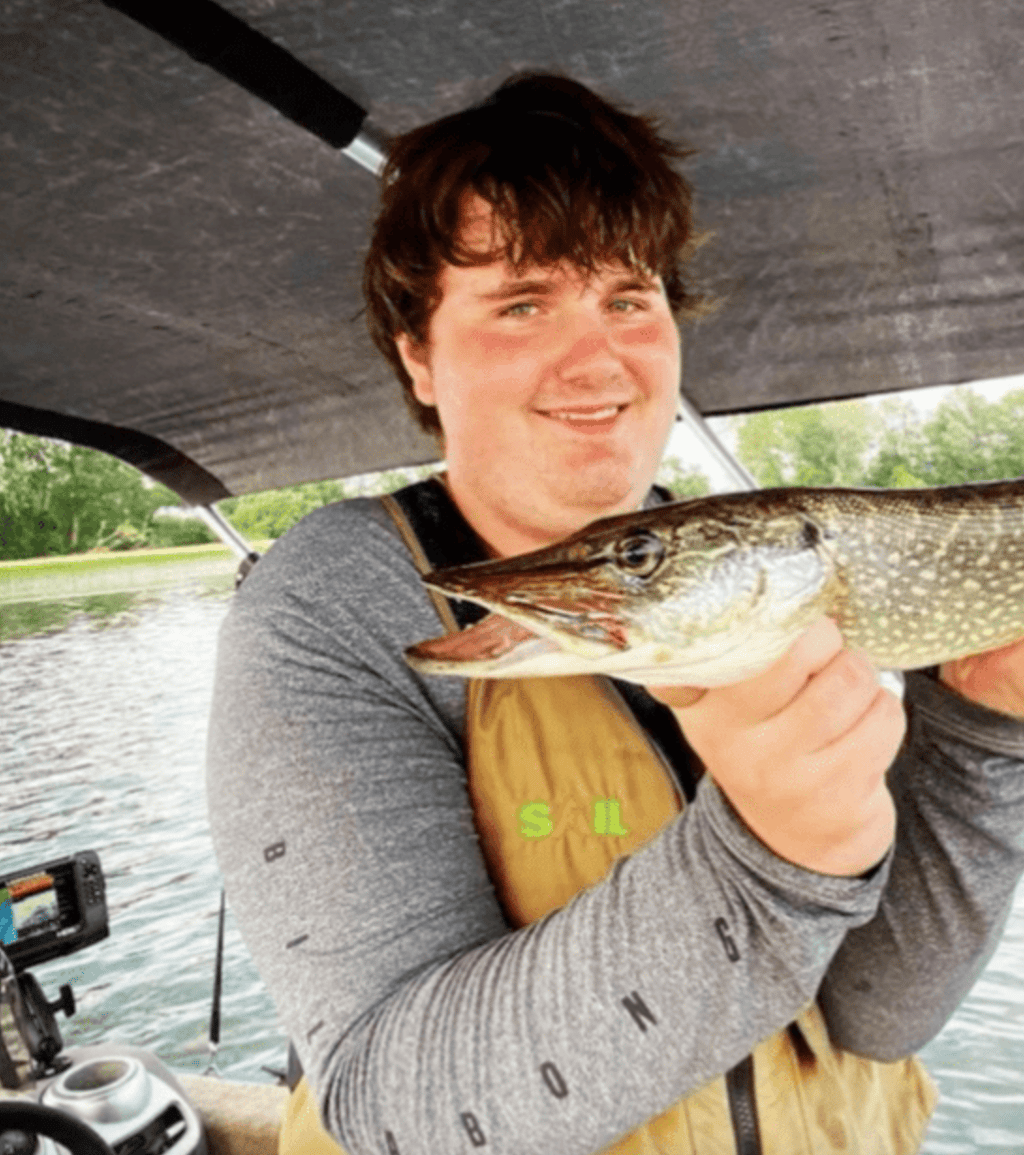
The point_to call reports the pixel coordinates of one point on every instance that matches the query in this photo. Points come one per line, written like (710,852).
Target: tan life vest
(574,745)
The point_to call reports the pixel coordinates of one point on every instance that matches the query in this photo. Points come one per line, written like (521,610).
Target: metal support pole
(231,537)
(693,417)
(224,529)
(368,149)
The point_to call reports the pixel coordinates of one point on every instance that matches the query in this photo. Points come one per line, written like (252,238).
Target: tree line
(57,498)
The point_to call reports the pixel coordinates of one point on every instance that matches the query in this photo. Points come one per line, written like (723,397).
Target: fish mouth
(542,602)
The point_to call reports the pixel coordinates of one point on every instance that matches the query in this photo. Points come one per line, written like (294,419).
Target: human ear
(414,358)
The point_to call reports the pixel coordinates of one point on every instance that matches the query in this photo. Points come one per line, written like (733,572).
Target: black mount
(34,1019)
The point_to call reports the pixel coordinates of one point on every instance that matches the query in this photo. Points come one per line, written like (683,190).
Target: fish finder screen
(52,908)
(28,906)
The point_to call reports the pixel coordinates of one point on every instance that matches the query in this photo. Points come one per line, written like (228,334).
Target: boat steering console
(88,1100)
(20,1121)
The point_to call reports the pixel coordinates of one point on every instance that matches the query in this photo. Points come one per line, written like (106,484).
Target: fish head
(643,590)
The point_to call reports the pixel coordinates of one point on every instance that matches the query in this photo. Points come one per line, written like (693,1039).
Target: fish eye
(640,554)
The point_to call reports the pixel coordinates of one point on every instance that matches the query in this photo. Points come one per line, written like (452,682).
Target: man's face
(556,393)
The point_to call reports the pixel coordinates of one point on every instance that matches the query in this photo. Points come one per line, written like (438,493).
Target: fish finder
(48,910)
(53,909)
(126,1096)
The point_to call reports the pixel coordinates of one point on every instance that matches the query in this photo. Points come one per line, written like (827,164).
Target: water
(102,733)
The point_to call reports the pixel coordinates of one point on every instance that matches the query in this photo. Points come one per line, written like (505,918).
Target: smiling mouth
(583,418)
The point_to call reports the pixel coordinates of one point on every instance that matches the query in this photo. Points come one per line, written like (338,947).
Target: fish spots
(912,577)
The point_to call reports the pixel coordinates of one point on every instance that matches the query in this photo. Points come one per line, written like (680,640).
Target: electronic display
(52,909)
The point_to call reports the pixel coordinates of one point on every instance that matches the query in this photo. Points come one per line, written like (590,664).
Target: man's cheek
(503,346)
(653,334)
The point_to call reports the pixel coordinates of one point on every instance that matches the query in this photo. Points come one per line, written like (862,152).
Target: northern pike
(709,591)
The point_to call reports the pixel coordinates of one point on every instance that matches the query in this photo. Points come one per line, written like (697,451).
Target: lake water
(103,709)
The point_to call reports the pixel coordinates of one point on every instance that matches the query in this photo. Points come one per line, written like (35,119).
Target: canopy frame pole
(692,416)
(224,529)
(231,537)
(368,149)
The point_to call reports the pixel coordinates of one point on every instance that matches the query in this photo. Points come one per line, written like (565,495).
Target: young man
(528,916)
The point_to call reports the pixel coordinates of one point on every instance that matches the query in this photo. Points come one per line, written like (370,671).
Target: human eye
(628,305)
(519,309)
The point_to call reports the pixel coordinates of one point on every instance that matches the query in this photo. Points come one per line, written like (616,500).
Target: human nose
(588,355)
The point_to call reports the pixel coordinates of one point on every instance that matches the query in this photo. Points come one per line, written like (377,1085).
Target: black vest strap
(445,536)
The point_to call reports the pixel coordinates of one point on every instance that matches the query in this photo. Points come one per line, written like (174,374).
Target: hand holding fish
(801,752)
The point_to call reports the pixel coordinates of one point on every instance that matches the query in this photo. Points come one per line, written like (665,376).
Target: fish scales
(711,590)
(928,575)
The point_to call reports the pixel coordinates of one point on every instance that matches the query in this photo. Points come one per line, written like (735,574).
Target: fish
(709,591)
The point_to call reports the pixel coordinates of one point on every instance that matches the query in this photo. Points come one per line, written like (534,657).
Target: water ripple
(103,741)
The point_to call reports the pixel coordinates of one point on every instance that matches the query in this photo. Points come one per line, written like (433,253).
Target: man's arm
(342,824)
(958,785)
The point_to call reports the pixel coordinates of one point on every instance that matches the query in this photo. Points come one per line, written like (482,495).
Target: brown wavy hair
(569,177)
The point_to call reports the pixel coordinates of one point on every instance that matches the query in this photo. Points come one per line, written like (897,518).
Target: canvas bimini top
(184,219)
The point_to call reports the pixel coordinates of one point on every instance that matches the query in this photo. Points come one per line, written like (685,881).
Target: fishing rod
(213,1039)
(218,985)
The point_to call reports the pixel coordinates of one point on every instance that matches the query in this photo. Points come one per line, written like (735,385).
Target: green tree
(682,480)
(888,445)
(57,498)
(969,438)
(269,514)
(388,480)
(899,450)
(259,516)
(806,445)
(174,532)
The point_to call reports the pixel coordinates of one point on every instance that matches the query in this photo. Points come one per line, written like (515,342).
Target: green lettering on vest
(607,819)
(534,821)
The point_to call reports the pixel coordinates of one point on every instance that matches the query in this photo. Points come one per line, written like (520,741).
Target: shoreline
(83,574)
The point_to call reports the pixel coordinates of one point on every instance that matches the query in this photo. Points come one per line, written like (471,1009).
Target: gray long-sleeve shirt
(342,823)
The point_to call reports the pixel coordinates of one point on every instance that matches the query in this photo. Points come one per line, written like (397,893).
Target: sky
(684,444)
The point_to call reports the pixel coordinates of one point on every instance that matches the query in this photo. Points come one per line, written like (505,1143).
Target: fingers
(872,740)
(802,750)
(768,693)
(814,694)
(831,702)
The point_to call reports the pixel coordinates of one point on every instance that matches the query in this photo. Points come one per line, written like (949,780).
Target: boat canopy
(184,218)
